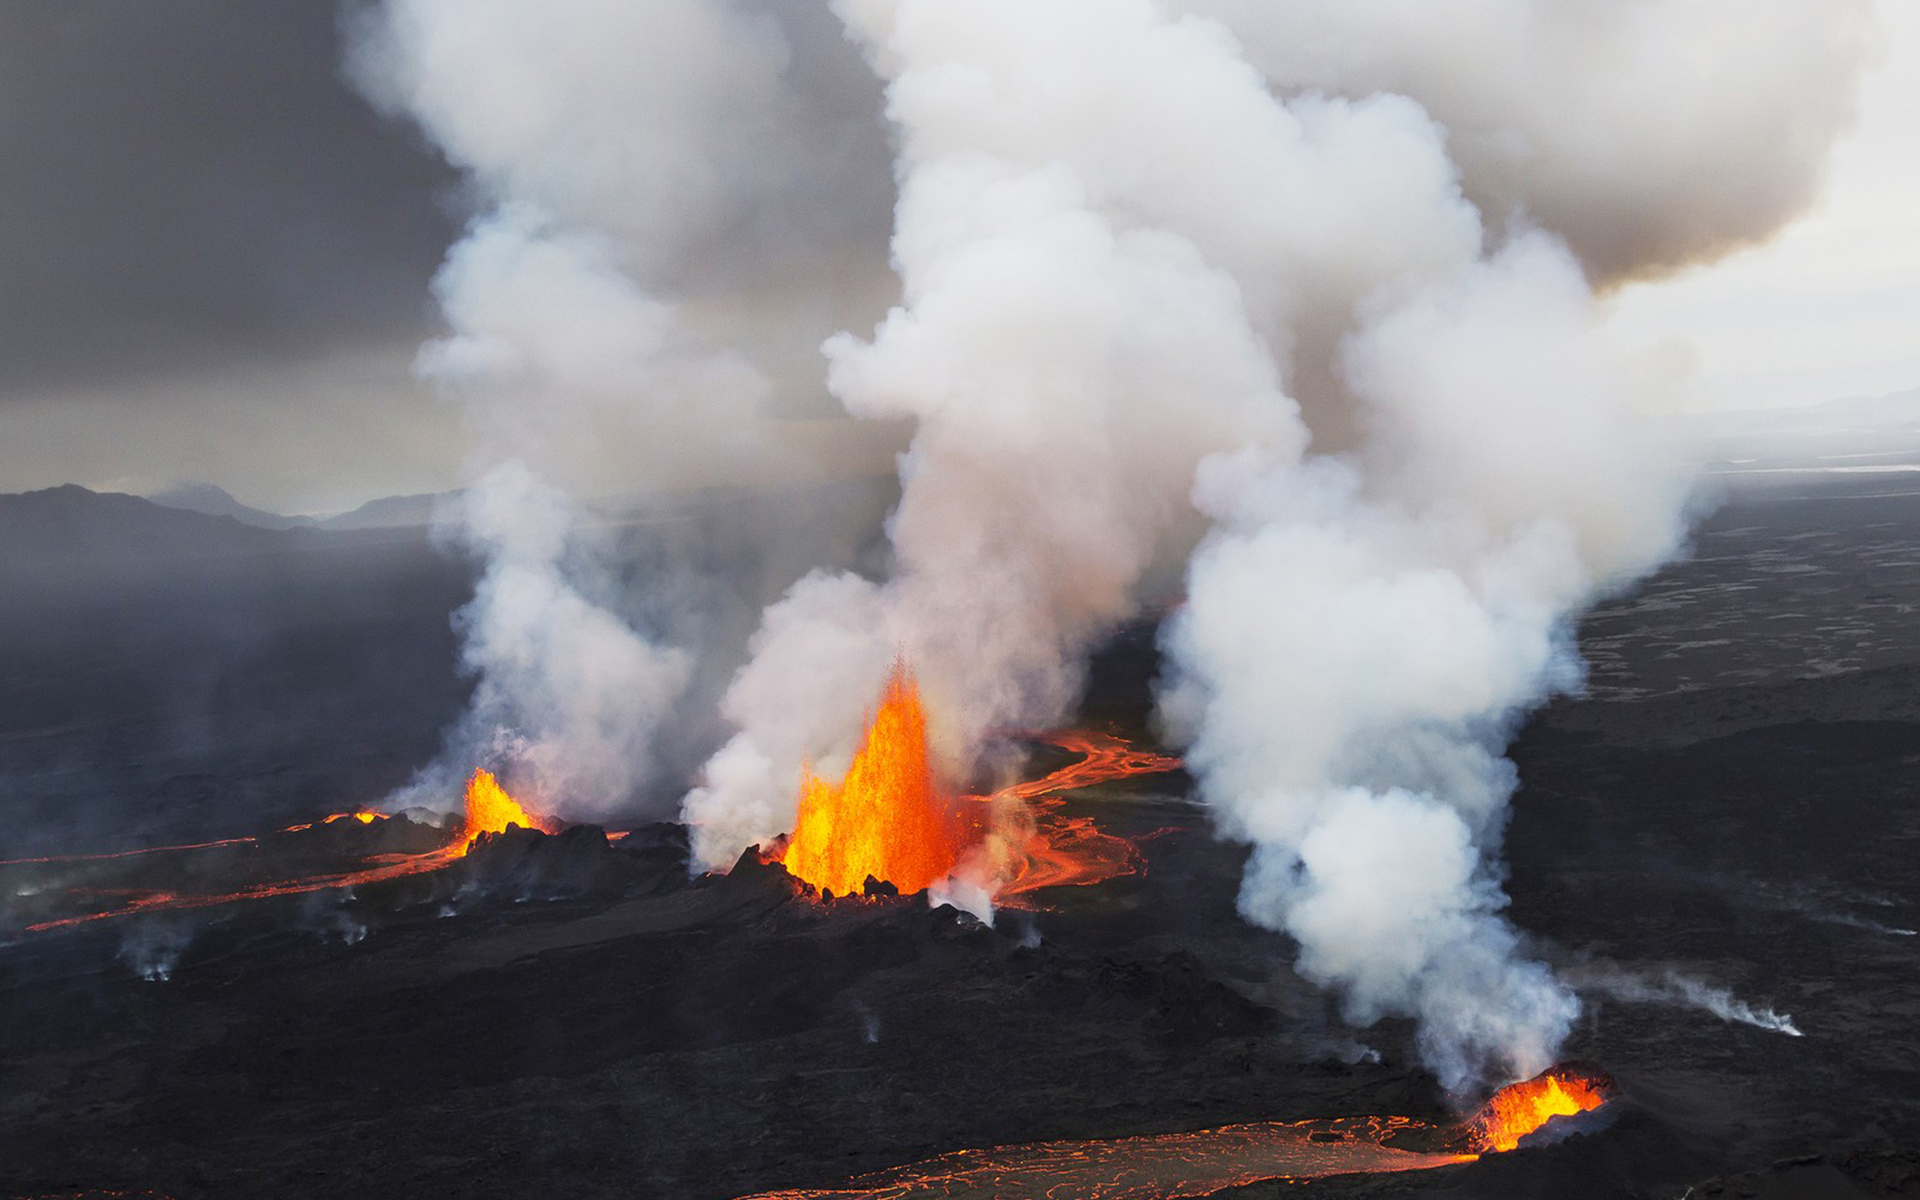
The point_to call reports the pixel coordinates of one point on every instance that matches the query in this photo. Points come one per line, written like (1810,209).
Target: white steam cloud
(632,161)
(1349,294)
(1300,295)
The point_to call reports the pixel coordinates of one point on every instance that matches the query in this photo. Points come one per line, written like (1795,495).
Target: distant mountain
(391,512)
(215,501)
(65,528)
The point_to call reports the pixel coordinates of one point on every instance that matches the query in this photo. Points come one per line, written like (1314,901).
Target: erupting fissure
(1523,1108)
(887,819)
(488,809)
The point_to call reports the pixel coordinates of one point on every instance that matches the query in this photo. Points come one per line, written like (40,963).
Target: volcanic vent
(887,819)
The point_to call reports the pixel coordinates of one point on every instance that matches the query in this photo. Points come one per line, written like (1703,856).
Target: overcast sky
(214,261)
(1831,307)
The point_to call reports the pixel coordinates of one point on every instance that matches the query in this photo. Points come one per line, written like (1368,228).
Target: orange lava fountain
(1521,1108)
(886,820)
(491,810)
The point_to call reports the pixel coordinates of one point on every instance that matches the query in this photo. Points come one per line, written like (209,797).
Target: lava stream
(488,810)
(364,817)
(1152,1167)
(1168,1166)
(1073,851)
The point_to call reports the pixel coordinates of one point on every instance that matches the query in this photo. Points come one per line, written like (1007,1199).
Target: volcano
(577,1011)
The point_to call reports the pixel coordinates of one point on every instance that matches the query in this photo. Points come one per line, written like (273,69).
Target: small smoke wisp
(153,949)
(1673,988)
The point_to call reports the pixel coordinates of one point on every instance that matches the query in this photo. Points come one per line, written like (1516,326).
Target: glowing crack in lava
(886,819)
(488,810)
(1171,1165)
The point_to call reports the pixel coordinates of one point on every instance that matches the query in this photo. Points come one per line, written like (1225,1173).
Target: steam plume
(1671,987)
(1326,290)
(1598,121)
(1300,293)
(630,161)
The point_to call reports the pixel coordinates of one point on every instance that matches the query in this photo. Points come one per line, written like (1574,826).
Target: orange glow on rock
(1521,1108)
(491,810)
(886,819)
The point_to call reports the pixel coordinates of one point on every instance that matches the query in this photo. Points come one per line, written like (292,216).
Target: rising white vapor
(631,160)
(1110,217)
(1677,989)
(1647,135)
(1303,291)
(568,694)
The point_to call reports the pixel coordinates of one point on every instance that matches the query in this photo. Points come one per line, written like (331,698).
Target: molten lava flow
(886,819)
(1073,851)
(491,810)
(1519,1109)
(1170,1165)
(1103,758)
(80,858)
(1154,1167)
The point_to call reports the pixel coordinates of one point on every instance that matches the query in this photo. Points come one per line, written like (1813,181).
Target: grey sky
(197,215)
(214,261)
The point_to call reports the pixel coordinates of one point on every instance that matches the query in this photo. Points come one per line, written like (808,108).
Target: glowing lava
(1153,1167)
(1521,1108)
(1167,1166)
(491,810)
(886,819)
(1063,851)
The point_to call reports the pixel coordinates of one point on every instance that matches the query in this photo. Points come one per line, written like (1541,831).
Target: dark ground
(1733,802)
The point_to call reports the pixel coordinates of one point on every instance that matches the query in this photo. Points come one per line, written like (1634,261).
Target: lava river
(1167,1166)
(488,809)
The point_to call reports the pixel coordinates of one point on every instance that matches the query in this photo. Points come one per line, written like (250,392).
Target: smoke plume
(1301,296)
(1673,988)
(1602,122)
(643,174)
(1349,293)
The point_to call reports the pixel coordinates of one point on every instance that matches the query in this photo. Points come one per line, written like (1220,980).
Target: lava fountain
(490,810)
(890,821)
(1523,1108)
(887,819)
(1168,1166)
